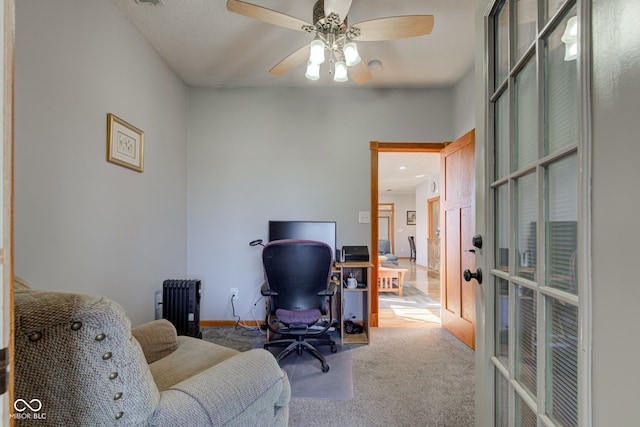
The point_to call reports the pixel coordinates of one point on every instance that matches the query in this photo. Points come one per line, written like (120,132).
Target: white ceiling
(399,173)
(209,46)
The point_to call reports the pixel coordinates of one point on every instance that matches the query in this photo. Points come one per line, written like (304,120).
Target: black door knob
(477,241)
(468,275)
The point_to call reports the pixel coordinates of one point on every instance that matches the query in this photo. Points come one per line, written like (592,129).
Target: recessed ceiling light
(402,168)
(419,176)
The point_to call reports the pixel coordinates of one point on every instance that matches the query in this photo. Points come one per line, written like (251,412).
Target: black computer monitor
(322,231)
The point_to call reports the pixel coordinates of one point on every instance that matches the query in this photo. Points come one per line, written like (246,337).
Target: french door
(537,205)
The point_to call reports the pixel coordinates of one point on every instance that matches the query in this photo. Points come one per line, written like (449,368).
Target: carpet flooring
(306,378)
(404,377)
(309,382)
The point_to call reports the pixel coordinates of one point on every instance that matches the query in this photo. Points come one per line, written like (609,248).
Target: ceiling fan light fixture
(340,72)
(351,55)
(570,39)
(316,52)
(313,71)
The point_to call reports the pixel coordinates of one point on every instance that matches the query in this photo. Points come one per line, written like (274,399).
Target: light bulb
(570,51)
(313,71)
(340,72)
(316,52)
(351,55)
(570,34)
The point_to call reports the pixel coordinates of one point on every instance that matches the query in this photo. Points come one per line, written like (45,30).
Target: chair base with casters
(298,343)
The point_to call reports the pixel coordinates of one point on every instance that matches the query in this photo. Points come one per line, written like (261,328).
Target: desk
(386,276)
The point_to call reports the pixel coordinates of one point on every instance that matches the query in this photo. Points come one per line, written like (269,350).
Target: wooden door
(457,201)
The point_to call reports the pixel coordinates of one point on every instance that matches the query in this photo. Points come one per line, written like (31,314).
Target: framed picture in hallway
(411,217)
(125,144)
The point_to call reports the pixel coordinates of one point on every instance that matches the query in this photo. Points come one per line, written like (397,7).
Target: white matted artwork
(125,144)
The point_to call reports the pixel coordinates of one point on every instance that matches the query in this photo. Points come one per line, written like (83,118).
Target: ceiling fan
(334,35)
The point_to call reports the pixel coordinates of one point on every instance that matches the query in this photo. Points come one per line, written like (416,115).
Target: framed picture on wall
(125,144)
(411,217)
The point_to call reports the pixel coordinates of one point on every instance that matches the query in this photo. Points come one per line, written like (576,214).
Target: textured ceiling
(212,47)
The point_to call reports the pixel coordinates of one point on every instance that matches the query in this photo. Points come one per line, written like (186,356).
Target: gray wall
(464,98)
(615,207)
(82,224)
(288,154)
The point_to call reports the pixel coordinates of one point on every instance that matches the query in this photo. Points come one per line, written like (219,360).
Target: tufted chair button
(119,415)
(35,336)
(106,356)
(113,376)
(76,325)
(100,337)
(117,396)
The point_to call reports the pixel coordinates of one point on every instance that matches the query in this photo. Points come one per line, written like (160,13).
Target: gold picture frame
(125,144)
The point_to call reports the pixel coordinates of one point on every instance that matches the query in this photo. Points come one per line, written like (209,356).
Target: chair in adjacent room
(412,248)
(298,291)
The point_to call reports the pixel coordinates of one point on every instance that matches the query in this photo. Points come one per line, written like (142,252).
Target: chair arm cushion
(158,339)
(247,389)
(331,290)
(265,291)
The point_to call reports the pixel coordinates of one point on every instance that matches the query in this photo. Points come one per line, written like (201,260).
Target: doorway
(416,272)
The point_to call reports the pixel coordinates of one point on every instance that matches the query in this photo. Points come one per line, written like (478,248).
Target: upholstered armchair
(78,356)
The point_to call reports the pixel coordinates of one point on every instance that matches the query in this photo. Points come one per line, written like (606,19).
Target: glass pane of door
(526,114)
(561,90)
(525,25)
(561,227)
(526,230)
(502,162)
(501,52)
(502,321)
(502,401)
(525,416)
(526,338)
(562,368)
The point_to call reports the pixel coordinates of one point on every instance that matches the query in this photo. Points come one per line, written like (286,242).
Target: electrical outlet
(234,293)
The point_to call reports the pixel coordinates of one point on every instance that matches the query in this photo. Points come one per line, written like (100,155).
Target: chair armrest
(330,291)
(238,391)
(158,339)
(266,292)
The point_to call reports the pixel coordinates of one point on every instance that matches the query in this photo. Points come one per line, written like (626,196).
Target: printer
(355,253)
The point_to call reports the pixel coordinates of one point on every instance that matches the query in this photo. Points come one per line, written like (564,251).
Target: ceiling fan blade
(340,7)
(291,61)
(395,27)
(265,15)
(360,73)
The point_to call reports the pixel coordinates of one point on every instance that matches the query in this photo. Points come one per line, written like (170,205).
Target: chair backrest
(297,270)
(384,247)
(412,243)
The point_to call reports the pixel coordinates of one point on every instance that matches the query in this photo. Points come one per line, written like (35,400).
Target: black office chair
(412,249)
(298,291)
